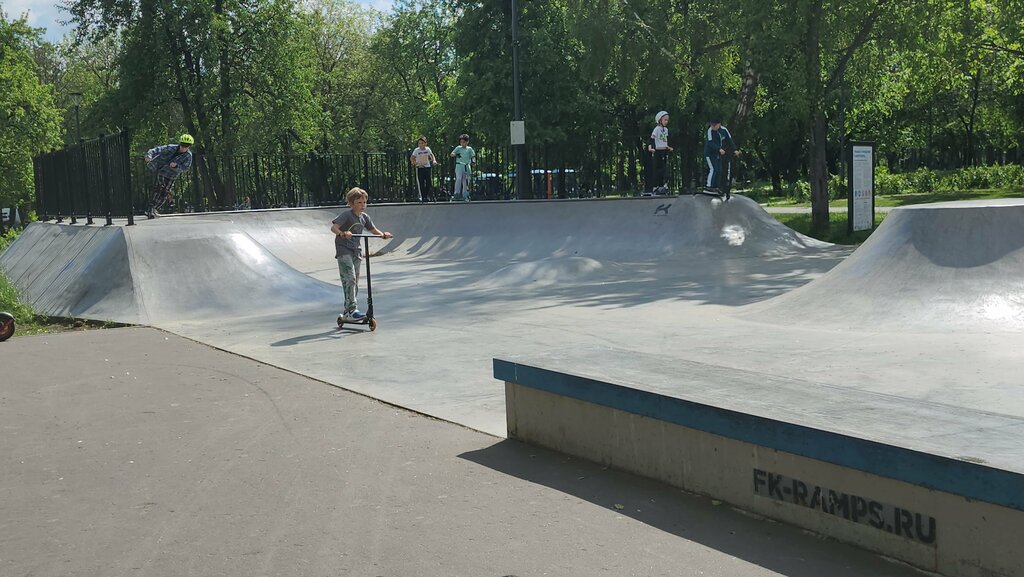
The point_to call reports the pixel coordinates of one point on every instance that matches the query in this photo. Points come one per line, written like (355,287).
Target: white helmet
(657,117)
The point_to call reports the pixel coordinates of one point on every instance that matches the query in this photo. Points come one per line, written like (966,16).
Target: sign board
(518,129)
(860,184)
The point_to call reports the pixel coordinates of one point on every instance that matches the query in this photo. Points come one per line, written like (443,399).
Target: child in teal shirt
(463,155)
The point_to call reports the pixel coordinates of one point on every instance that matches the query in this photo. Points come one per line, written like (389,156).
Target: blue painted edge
(970,480)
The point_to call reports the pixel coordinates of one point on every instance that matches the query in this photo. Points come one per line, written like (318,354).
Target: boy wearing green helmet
(167,162)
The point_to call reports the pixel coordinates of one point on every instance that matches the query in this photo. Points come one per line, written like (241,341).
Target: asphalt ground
(133,451)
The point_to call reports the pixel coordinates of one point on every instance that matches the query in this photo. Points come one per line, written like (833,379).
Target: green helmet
(186,139)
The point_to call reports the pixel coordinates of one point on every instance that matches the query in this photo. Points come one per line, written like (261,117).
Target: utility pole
(517,127)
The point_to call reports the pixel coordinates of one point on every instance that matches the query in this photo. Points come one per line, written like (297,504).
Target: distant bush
(924,181)
(836,187)
(8,237)
(798,191)
(888,184)
(974,177)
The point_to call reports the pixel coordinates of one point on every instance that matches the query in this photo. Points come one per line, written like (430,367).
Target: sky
(48,14)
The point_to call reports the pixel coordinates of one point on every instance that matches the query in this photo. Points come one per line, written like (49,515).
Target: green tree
(347,82)
(29,119)
(234,73)
(415,52)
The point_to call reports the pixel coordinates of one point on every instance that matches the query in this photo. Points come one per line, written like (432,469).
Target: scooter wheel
(7,326)
(373,325)
(341,321)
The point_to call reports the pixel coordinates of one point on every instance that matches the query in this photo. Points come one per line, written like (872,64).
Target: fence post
(126,180)
(197,193)
(86,181)
(37,162)
(105,166)
(67,186)
(366,171)
(256,178)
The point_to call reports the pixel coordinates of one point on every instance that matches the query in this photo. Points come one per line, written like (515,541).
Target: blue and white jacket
(163,156)
(718,140)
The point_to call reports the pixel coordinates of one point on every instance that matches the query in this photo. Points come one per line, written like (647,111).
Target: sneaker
(355,315)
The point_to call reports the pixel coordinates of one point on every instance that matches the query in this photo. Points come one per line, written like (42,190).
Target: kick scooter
(368,318)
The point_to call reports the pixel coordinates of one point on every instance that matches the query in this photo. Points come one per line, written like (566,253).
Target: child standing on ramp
(354,221)
(716,142)
(463,155)
(659,150)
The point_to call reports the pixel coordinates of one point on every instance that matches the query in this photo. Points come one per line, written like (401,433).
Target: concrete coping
(846,427)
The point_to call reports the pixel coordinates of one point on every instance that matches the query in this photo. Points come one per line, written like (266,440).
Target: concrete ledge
(940,514)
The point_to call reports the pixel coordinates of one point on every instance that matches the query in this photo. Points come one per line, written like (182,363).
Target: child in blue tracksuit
(167,162)
(715,144)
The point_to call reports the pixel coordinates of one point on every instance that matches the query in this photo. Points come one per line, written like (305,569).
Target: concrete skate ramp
(928,267)
(621,230)
(248,263)
(74,271)
(182,270)
(460,284)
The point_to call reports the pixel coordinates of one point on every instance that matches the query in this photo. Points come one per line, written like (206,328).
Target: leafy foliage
(937,83)
(29,119)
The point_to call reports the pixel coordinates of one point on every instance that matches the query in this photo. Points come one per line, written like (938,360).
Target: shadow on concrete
(324,336)
(778,547)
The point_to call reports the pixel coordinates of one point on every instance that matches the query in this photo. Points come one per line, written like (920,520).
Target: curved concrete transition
(911,346)
(955,265)
(461,284)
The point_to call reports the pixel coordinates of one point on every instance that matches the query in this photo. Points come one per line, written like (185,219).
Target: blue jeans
(462,181)
(348,270)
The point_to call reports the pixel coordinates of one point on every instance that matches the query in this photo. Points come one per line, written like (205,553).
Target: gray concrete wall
(929,529)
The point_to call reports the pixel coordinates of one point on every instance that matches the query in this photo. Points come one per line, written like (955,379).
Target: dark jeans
(423,178)
(659,176)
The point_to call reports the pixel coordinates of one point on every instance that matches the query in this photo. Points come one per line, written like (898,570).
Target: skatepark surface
(912,340)
(926,314)
(923,322)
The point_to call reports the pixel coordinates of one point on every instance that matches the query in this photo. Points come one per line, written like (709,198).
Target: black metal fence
(103,177)
(91,179)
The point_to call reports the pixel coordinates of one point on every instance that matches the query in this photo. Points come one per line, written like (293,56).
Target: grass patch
(914,198)
(837,230)
(929,197)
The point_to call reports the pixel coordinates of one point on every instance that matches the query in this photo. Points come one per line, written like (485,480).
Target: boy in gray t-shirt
(351,222)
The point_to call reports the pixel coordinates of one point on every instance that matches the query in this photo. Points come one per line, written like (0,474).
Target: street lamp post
(517,110)
(76,100)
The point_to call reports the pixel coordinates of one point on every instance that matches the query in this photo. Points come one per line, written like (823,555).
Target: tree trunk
(972,117)
(817,160)
(745,107)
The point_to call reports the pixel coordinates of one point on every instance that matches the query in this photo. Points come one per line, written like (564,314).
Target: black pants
(423,177)
(659,174)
